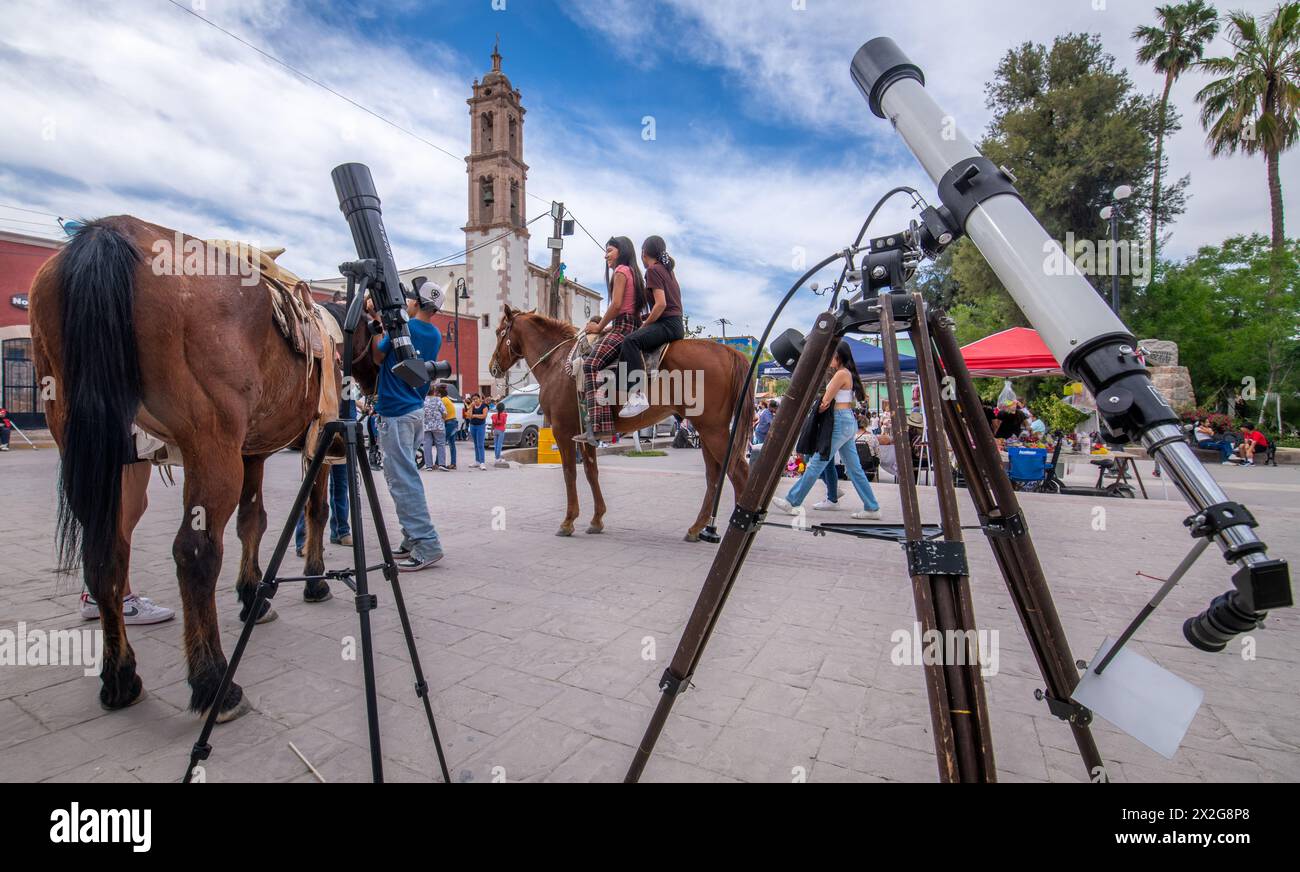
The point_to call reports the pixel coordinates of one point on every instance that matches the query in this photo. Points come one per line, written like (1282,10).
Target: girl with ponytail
(626,299)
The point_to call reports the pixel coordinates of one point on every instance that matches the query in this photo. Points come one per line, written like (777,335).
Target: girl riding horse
(626,299)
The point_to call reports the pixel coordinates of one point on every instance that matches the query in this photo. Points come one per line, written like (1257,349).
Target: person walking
(402,409)
(6,426)
(843,386)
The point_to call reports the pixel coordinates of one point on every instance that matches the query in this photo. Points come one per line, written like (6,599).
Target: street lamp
(460,294)
(1111,213)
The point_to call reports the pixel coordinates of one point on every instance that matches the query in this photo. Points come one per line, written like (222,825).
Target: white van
(523,418)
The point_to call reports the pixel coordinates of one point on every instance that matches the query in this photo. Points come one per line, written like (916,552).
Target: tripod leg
(740,533)
(1008,535)
(952,599)
(955,741)
(390,572)
(365,601)
(265,590)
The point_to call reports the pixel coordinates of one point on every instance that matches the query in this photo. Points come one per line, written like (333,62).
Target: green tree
(1254,105)
(1234,327)
(1072,127)
(1172,48)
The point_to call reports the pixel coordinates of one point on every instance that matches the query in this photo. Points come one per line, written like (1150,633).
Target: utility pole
(556,245)
(724,322)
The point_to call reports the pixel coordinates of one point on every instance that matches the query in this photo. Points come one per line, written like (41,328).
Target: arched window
(486,199)
(485,136)
(514,137)
(514,202)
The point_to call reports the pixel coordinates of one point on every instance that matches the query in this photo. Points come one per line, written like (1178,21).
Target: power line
(465,251)
(585,230)
(33,211)
(320,84)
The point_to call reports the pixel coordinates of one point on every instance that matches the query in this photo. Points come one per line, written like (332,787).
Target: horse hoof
(317,592)
(691,537)
(564,532)
(239,709)
(139,695)
(268,614)
(595,529)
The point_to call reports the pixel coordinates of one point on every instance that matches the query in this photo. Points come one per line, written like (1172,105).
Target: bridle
(520,356)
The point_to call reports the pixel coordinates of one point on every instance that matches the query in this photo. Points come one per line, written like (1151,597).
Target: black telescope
(1091,342)
(359,204)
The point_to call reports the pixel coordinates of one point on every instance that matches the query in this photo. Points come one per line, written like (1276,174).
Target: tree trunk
(1275,200)
(1160,148)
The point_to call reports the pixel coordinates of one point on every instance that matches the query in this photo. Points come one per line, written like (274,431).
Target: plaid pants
(605,353)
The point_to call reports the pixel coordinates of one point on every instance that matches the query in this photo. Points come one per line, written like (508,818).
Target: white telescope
(1089,340)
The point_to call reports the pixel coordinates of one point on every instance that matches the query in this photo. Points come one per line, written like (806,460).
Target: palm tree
(1171,48)
(1255,104)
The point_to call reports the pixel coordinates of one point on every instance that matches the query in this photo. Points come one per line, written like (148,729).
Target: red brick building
(21,256)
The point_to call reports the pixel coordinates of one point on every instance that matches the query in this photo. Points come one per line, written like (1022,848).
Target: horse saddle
(294,309)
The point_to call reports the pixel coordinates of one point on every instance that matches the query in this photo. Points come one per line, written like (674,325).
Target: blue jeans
(478,432)
(842,435)
(339,509)
(397,439)
(1224,447)
(832,479)
(498,442)
(451,427)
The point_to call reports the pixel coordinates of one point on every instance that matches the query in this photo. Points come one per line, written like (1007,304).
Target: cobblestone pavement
(543,653)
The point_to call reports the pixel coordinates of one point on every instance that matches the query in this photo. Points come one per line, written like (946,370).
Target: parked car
(523,418)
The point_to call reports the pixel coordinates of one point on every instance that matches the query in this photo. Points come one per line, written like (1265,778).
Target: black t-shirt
(659,277)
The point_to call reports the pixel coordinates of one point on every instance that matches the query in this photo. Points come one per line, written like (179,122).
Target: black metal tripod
(938,569)
(355,577)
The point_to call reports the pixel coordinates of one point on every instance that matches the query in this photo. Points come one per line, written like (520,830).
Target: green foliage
(1056,413)
(1233,329)
(1072,127)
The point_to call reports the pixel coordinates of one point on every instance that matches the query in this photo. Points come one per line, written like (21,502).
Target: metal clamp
(1066,709)
(928,557)
(1219,517)
(744,520)
(367,603)
(1009,526)
(671,684)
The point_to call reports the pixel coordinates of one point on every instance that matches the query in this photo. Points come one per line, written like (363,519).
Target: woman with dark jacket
(662,324)
(837,400)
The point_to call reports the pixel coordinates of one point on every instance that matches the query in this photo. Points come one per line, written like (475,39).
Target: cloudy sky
(762,146)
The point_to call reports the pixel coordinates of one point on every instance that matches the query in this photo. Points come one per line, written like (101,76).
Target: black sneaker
(402,550)
(414,564)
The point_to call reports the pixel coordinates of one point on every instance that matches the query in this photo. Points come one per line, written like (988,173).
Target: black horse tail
(99,394)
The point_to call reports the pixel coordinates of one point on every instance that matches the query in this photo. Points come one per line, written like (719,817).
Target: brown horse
(198,362)
(719,373)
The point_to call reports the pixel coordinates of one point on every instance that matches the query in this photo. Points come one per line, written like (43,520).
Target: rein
(540,360)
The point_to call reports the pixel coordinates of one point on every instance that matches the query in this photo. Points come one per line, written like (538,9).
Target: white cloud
(184,126)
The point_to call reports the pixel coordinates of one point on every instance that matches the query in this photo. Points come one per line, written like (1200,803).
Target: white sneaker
(784,505)
(635,405)
(482,466)
(135,610)
(826,506)
(867,515)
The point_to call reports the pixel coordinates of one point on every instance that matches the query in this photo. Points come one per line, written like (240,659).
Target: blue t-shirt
(394,396)
(764,424)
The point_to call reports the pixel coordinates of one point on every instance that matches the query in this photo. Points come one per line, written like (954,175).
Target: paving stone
(534,647)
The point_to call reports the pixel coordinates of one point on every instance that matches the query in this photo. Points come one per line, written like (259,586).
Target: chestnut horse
(719,375)
(194,360)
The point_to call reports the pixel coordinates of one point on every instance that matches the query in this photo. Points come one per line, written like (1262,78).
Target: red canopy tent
(1011,353)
